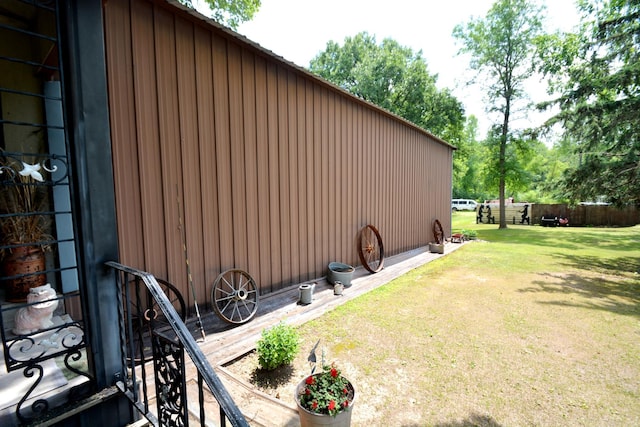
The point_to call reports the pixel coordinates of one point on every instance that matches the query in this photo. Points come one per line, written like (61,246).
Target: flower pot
(24,260)
(312,419)
(339,272)
(436,248)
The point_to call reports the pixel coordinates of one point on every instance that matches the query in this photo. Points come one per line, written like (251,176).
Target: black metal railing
(151,328)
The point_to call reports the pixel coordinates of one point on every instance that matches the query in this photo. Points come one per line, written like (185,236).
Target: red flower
(314,404)
(307,391)
(334,372)
(345,404)
(345,391)
(332,405)
(310,380)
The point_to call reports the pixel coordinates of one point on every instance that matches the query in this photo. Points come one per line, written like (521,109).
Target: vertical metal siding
(274,172)
(146,139)
(205,116)
(263,276)
(171,175)
(123,112)
(251,162)
(189,145)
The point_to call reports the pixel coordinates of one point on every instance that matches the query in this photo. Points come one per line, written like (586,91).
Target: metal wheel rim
(438,231)
(370,249)
(235,296)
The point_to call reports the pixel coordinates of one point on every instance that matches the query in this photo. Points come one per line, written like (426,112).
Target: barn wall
(252,161)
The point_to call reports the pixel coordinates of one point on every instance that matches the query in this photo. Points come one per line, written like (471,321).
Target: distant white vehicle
(463,205)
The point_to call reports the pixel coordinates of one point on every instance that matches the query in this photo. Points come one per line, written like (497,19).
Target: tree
(500,46)
(392,77)
(595,75)
(469,163)
(230,12)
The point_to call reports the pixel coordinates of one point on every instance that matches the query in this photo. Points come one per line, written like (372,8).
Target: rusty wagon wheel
(235,296)
(370,249)
(438,232)
(146,315)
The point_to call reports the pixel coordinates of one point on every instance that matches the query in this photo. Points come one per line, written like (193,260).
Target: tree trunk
(502,162)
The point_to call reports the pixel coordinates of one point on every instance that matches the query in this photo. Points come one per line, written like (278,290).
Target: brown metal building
(270,168)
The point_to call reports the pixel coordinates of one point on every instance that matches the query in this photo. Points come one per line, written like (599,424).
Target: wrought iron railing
(151,328)
(46,367)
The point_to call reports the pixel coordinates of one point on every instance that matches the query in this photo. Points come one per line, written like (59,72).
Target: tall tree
(500,46)
(392,77)
(230,12)
(595,75)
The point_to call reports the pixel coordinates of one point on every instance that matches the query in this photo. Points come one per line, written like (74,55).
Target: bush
(277,347)
(470,234)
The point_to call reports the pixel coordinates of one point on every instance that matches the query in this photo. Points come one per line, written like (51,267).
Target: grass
(528,326)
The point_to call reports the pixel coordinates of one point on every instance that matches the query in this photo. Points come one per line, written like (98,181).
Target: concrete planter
(436,248)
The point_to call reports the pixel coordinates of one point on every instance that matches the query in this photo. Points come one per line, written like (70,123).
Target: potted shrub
(325,398)
(23,227)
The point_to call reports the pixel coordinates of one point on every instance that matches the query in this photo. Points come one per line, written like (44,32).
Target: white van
(463,205)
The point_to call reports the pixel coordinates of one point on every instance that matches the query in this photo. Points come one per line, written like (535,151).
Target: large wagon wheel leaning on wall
(370,249)
(147,315)
(438,232)
(235,296)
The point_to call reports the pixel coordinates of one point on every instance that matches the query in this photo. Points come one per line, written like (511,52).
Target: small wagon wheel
(146,315)
(370,249)
(235,296)
(438,232)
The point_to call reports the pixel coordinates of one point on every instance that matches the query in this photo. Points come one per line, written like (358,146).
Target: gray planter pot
(339,272)
(436,248)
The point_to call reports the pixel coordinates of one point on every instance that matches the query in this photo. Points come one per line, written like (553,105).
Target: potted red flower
(325,398)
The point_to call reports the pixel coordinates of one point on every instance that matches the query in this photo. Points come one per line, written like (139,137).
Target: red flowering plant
(326,392)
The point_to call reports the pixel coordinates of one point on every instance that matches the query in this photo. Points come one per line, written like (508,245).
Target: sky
(298,30)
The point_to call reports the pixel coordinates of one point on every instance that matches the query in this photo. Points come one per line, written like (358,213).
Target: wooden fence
(580,215)
(585,215)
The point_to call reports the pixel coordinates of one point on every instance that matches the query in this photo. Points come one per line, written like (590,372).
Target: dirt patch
(280,383)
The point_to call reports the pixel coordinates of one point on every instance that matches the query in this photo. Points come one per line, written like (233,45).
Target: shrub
(470,234)
(277,347)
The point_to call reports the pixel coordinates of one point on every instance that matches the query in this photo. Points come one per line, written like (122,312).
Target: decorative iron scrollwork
(171,389)
(26,350)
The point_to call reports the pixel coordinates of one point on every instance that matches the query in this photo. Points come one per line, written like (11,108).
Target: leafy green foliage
(595,75)
(277,347)
(231,12)
(470,234)
(500,46)
(327,392)
(393,77)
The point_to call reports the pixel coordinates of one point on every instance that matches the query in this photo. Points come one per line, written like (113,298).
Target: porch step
(63,412)
(140,423)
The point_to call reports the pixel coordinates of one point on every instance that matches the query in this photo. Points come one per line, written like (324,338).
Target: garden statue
(38,315)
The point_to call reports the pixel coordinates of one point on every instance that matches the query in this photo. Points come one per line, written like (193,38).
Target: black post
(90,146)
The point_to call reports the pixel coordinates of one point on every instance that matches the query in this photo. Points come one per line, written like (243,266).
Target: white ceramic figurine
(37,316)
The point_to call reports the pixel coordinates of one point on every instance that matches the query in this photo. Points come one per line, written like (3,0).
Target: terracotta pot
(28,261)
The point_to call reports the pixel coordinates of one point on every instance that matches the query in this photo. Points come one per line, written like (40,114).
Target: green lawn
(528,326)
